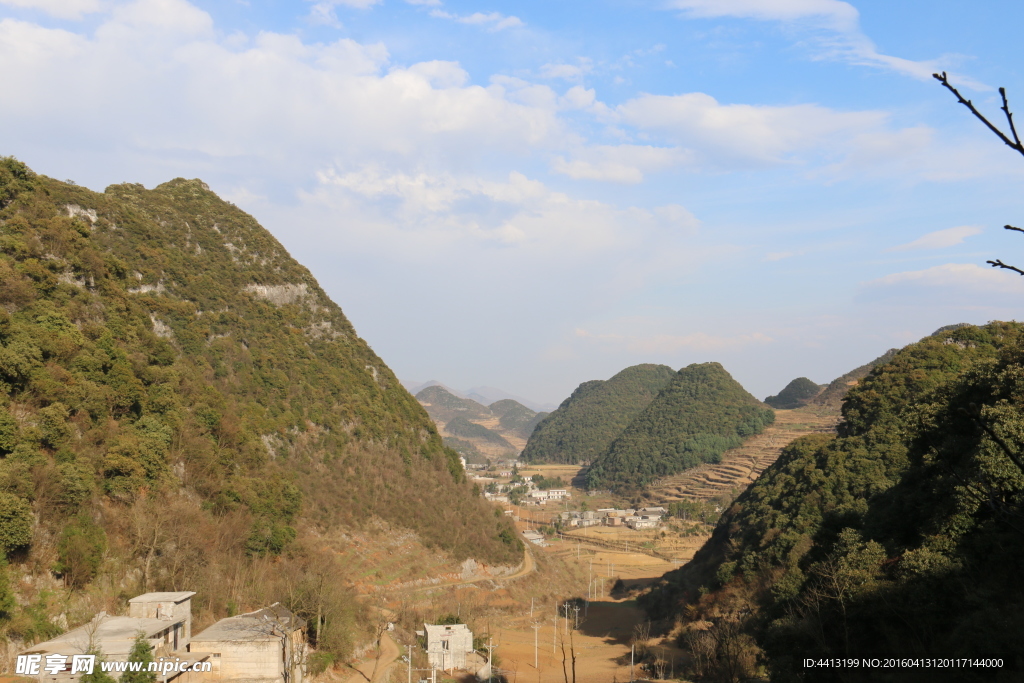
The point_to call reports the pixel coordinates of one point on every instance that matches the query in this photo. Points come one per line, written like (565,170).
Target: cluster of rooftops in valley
(643,518)
(265,646)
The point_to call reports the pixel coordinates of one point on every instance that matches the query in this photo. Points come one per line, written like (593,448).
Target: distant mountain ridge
(483,395)
(477,431)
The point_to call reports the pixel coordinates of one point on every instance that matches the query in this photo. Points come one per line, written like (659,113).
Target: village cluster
(643,518)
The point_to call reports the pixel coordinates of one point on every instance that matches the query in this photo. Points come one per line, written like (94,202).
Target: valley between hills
(185,411)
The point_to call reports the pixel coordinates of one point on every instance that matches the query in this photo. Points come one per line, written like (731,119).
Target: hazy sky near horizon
(529,195)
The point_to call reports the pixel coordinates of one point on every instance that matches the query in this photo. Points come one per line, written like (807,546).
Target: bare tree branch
(999,264)
(1015,143)
(1009,117)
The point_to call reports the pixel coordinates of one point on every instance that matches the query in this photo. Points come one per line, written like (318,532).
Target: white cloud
(759,134)
(842,38)
(273,99)
(568,72)
(967,278)
(437,211)
(323,11)
(426,3)
(839,16)
(61,9)
(495,21)
(166,17)
(620,163)
(940,238)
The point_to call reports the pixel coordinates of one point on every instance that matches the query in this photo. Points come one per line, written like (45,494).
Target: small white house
(448,645)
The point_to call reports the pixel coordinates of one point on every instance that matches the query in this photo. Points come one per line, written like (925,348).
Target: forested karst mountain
(797,393)
(161,350)
(700,414)
(587,422)
(900,536)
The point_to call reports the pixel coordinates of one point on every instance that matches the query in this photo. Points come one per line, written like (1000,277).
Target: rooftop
(114,636)
(263,624)
(178,596)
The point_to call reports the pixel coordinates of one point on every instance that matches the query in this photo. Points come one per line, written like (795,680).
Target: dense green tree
(141,652)
(15,523)
(80,550)
(98,675)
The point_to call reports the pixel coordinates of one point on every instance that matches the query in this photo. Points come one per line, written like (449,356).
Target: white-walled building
(448,645)
(265,646)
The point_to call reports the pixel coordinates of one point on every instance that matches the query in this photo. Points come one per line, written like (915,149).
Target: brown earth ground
(577,564)
(606,627)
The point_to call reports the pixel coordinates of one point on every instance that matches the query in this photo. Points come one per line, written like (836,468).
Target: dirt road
(389,653)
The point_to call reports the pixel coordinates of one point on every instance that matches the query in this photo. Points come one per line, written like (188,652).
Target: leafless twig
(1015,143)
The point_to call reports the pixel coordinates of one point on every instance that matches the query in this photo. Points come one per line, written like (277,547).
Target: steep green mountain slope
(160,350)
(700,414)
(902,536)
(795,394)
(586,423)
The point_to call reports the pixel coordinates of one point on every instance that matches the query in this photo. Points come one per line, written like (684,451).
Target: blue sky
(529,195)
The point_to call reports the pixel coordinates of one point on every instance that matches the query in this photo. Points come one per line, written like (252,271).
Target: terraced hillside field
(741,466)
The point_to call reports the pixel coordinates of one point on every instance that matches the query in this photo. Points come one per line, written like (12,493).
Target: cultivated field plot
(741,466)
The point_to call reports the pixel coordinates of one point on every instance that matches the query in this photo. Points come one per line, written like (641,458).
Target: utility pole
(531,608)
(409,650)
(576,622)
(631,663)
(536,626)
(490,648)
